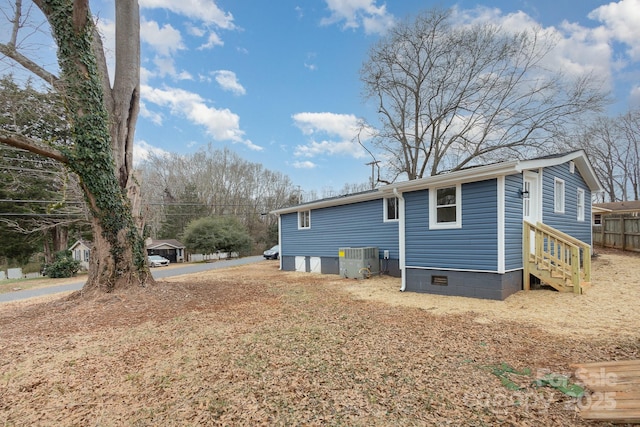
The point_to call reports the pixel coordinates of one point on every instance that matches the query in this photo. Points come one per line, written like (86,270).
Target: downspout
(280,239)
(401,243)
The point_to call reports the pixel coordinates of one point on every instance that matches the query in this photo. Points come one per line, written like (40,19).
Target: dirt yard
(256,346)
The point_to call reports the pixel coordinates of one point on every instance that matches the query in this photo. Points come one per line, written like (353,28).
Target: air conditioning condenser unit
(359,263)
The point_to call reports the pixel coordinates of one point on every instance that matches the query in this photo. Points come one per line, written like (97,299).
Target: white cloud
(166,67)
(356,13)
(142,150)
(229,81)
(145,75)
(304,165)
(332,148)
(311,57)
(166,40)
(634,97)
(622,23)
(343,125)
(206,11)
(196,31)
(213,41)
(221,124)
(151,115)
(341,130)
(577,50)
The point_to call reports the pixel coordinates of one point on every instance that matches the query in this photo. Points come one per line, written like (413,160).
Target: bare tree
(221,180)
(630,128)
(102,118)
(449,96)
(613,145)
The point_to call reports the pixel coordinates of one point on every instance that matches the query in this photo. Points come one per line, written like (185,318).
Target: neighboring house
(616,224)
(81,251)
(171,249)
(457,233)
(629,208)
(597,213)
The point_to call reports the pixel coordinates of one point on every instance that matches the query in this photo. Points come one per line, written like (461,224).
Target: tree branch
(11,52)
(32,146)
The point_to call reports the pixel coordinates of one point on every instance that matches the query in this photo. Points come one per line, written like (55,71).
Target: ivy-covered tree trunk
(103,124)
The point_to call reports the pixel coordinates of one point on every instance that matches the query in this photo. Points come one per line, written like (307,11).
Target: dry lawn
(256,346)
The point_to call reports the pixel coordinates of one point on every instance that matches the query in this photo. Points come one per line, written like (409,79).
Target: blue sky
(278,81)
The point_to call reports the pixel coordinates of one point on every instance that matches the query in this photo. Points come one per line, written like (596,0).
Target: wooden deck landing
(613,391)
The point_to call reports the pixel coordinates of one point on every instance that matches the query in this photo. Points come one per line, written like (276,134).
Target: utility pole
(373,164)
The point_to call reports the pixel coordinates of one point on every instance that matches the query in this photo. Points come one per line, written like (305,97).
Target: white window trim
(558,198)
(580,204)
(433,217)
(386,210)
(300,215)
(597,219)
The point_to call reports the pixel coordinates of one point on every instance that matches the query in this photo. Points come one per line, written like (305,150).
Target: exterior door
(531,198)
(531,211)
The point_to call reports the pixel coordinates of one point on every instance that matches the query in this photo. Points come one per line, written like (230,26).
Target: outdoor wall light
(524,194)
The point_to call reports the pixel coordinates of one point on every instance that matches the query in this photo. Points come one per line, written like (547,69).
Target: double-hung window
(445,207)
(304,219)
(580,204)
(558,195)
(391,209)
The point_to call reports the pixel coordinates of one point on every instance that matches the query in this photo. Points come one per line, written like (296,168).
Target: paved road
(158,273)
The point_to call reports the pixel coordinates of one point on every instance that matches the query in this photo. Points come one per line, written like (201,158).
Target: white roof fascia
(473,174)
(478,173)
(578,157)
(345,200)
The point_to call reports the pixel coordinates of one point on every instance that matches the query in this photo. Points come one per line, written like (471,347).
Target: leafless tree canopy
(613,146)
(221,183)
(450,95)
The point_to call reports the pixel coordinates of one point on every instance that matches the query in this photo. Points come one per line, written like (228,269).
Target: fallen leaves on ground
(256,346)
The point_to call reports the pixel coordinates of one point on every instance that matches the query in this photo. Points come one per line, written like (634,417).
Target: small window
(558,196)
(597,219)
(445,207)
(580,204)
(391,209)
(304,219)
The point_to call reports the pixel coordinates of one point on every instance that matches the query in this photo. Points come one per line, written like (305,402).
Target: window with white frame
(304,219)
(445,207)
(597,219)
(558,195)
(580,204)
(391,206)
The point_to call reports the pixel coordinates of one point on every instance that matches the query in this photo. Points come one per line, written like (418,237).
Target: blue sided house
(482,232)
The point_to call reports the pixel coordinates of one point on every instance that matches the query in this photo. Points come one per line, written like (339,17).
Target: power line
(72,202)
(41,215)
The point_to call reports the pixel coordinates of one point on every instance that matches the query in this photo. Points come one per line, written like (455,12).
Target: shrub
(63,266)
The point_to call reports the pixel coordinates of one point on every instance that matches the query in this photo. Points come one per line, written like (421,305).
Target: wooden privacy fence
(620,232)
